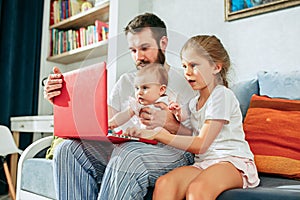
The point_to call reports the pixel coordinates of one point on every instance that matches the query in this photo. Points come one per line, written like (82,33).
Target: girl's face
(198,71)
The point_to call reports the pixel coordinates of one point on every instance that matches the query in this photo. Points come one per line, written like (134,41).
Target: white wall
(264,42)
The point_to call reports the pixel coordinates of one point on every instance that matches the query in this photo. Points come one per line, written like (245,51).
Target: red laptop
(80,111)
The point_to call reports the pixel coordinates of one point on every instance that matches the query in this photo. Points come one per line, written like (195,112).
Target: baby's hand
(175,108)
(112,124)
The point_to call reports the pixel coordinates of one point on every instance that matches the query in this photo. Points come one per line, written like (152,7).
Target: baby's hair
(157,70)
(211,48)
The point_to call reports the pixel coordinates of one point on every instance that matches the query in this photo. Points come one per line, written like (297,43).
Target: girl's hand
(142,133)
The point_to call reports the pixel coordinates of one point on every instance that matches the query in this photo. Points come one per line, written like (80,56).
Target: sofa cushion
(37,177)
(243,90)
(279,85)
(272,130)
(270,188)
(55,142)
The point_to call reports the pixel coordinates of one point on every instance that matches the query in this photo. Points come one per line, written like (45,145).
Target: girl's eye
(193,65)
(145,88)
(133,50)
(184,66)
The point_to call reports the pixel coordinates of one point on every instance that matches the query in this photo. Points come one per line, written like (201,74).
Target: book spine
(101,29)
(82,36)
(51,19)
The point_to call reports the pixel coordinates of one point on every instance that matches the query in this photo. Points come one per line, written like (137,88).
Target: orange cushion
(272,128)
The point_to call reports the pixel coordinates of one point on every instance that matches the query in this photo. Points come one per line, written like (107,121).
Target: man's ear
(163,89)
(163,43)
(218,68)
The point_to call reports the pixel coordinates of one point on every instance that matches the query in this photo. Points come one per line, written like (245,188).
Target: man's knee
(63,149)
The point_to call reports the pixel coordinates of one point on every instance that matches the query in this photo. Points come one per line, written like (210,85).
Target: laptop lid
(80,111)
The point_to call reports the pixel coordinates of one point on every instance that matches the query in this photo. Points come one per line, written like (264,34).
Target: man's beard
(160,59)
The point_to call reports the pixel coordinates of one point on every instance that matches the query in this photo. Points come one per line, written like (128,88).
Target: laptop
(80,111)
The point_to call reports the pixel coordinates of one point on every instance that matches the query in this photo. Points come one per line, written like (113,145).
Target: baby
(150,87)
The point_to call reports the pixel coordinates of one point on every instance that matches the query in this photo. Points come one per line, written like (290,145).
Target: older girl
(223,159)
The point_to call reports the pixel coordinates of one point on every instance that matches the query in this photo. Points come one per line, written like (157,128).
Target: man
(131,167)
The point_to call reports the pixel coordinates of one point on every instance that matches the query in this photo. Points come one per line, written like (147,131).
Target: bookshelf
(82,19)
(114,51)
(87,52)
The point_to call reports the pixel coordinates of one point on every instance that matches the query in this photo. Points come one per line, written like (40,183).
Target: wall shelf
(87,52)
(88,17)
(82,19)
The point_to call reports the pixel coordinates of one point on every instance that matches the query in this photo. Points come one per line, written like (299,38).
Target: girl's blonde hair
(211,48)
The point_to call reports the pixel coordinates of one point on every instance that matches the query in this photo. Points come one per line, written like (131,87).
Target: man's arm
(162,118)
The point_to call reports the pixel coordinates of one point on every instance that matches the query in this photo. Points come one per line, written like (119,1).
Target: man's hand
(53,86)
(159,118)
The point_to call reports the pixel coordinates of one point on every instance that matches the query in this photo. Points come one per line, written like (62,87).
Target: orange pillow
(272,128)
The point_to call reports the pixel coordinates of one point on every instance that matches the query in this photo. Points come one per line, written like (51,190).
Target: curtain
(20,47)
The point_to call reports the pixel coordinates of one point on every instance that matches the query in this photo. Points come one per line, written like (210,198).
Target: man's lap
(156,159)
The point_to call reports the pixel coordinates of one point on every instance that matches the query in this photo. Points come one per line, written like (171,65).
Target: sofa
(272,137)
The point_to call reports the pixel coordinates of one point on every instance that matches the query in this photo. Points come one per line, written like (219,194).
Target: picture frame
(237,9)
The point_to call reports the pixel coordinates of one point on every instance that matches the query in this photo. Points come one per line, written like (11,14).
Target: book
(51,16)
(82,33)
(99,30)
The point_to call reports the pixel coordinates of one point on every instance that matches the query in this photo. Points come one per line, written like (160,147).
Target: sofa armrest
(30,152)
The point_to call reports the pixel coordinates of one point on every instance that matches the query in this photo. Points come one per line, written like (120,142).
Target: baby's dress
(136,106)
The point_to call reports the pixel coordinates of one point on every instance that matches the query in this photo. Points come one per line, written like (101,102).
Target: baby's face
(147,91)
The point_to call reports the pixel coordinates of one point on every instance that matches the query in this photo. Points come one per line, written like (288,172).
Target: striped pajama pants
(124,171)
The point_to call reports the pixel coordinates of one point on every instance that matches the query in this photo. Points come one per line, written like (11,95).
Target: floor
(5,197)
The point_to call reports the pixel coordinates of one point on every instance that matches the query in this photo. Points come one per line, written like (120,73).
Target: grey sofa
(35,180)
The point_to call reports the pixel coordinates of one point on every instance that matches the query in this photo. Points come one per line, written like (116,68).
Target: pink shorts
(246,166)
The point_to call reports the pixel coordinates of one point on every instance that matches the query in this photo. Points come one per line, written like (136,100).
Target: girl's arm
(194,144)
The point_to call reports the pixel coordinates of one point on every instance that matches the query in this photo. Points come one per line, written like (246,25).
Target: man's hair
(142,21)
(157,71)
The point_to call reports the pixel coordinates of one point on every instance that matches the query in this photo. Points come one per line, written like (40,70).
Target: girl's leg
(174,184)
(79,167)
(213,181)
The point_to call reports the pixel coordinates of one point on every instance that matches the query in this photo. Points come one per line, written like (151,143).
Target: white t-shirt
(221,105)
(136,106)
(178,90)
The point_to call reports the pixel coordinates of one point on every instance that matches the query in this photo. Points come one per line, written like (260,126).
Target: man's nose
(140,55)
